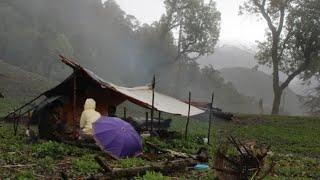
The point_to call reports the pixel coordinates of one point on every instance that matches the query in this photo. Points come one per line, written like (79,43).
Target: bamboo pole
(188,118)
(210,117)
(152,109)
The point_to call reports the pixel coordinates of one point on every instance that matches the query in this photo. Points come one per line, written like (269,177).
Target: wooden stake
(125,113)
(152,109)
(210,118)
(147,119)
(74,102)
(188,118)
(159,118)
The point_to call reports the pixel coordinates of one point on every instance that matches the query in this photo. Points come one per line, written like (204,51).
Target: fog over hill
(18,83)
(237,54)
(259,85)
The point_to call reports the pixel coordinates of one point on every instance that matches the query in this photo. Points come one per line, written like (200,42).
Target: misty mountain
(227,56)
(103,38)
(258,84)
(18,83)
(238,55)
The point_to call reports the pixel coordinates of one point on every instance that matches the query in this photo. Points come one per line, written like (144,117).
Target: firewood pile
(249,161)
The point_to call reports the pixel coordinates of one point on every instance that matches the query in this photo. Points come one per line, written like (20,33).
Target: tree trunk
(276,101)
(276,84)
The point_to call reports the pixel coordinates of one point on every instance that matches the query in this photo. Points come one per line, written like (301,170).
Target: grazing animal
(1,96)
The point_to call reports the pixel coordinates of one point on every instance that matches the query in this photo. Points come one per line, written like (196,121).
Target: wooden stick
(188,118)
(159,118)
(165,166)
(147,119)
(210,118)
(17,165)
(152,109)
(23,106)
(124,112)
(102,164)
(74,102)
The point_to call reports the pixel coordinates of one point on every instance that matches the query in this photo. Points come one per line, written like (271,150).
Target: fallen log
(164,167)
(169,151)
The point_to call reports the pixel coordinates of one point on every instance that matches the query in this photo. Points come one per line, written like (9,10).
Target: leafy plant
(25,175)
(130,162)
(85,165)
(150,175)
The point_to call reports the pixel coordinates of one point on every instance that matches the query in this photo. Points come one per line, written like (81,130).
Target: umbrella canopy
(116,137)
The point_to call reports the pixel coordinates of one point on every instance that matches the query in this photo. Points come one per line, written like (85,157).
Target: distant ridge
(18,83)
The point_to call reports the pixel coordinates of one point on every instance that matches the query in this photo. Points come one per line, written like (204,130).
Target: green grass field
(294,144)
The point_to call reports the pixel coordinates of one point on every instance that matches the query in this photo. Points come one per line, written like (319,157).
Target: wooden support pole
(14,122)
(210,117)
(188,118)
(25,105)
(152,108)
(74,102)
(125,113)
(159,119)
(147,120)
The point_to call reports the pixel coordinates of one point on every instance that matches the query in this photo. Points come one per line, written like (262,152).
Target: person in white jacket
(88,116)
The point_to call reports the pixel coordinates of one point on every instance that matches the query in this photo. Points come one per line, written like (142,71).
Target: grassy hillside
(259,85)
(18,86)
(295,151)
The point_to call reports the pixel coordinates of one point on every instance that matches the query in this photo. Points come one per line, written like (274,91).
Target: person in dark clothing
(112,111)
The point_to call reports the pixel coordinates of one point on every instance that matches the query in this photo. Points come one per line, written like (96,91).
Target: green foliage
(312,102)
(25,175)
(85,165)
(294,149)
(55,150)
(150,175)
(291,44)
(130,162)
(46,164)
(197,24)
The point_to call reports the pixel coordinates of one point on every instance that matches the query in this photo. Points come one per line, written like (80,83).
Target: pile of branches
(166,161)
(249,161)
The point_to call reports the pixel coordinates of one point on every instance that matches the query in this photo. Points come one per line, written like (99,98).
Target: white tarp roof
(142,95)
(162,102)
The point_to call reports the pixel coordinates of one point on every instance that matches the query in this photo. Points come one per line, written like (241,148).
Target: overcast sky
(234,28)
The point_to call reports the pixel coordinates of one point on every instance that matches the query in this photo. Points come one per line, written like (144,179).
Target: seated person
(112,111)
(88,116)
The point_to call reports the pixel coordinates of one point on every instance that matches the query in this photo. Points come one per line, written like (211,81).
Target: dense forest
(105,39)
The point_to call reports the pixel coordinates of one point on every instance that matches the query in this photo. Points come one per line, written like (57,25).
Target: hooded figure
(88,116)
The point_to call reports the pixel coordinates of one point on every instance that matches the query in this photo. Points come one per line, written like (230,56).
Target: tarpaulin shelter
(83,84)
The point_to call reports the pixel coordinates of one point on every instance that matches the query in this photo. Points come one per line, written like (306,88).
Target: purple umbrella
(117,137)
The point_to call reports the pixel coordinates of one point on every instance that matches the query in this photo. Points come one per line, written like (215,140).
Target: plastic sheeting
(141,95)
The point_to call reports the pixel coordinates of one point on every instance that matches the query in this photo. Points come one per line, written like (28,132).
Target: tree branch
(293,75)
(265,14)
(285,41)
(281,21)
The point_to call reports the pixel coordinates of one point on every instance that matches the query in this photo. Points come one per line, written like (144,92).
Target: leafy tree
(292,41)
(197,24)
(312,102)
